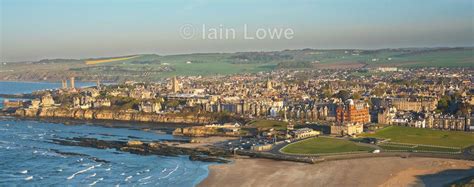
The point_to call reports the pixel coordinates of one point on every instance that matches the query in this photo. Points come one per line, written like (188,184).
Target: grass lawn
(417,148)
(267,124)
(425,136)
(323,145)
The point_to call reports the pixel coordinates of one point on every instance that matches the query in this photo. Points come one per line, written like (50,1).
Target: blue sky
(37,29)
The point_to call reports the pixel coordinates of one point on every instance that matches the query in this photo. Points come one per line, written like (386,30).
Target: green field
(267,124)
(425,136)
(322,145)
(152,67)
(417,148)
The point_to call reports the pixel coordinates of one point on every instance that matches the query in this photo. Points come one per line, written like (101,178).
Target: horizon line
(240,51)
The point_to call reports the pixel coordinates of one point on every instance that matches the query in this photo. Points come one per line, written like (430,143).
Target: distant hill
(150,67)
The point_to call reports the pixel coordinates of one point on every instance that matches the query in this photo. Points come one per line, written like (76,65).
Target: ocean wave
(145,178)
(82,171)
(128,178)
(95,182)
(171,172)
(4,142)
(145,183)
(93,175)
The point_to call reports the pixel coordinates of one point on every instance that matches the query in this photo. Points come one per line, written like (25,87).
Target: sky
(40,29)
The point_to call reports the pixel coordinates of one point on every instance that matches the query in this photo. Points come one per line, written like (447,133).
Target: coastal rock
(154,148)
(134,143)
(195,131)
(105,114)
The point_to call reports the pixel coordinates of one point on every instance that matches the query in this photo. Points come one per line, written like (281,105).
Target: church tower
(175,85)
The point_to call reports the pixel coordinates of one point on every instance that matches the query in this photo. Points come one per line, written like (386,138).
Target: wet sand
(387,171)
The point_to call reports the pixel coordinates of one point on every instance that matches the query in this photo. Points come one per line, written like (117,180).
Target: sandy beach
(387,171)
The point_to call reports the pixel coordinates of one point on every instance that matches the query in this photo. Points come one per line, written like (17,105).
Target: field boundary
(421,151)
(318,154)
(407,147)
(424,145)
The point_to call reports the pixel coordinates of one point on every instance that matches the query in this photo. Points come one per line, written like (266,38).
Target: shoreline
(48,82)
(105,123)
(220,174)
(63,114)
(395,172)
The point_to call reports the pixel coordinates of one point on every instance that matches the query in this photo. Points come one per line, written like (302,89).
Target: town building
(351,111)
(149,107)
(347,129)
(304,133)
(386,116)
(416,105)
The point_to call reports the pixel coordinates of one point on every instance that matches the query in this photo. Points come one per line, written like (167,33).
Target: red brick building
(353,112)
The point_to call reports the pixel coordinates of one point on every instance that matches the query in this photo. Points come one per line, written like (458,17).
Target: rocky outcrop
(152,148)
(195,131)
(104,114)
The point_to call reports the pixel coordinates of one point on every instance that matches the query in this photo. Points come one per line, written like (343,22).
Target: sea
(28,156)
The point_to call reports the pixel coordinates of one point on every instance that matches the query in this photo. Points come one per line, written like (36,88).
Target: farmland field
(100,61)
(152,67)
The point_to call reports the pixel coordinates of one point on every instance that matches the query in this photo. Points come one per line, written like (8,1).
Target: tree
(443,104)
(326,93)
(356,96)
(172,103)
(378,91)
(343,94)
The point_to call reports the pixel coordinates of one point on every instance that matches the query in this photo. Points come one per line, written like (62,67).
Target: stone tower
(175,85)
(64,83)
(269,85)
(72,83)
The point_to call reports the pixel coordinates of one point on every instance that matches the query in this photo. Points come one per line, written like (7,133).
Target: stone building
(386,116)
(149,107)
(101,103)
(47,100)
(175,85)
(353,112)
(347,129)
(416,105)
(304,133)
(13,103)
(449,122)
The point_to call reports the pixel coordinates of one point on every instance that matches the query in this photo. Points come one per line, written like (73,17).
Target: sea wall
(105,114)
